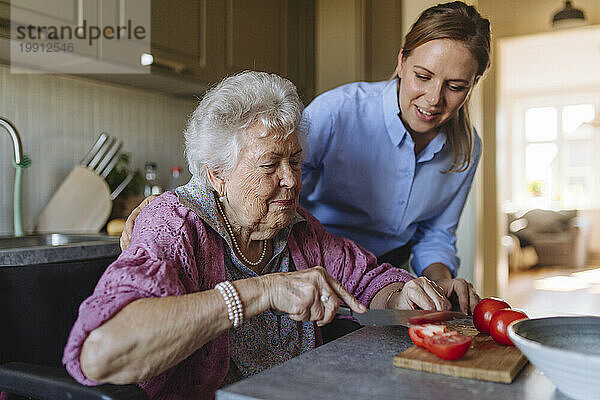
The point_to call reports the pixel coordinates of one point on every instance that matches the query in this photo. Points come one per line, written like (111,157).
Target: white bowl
(565,349)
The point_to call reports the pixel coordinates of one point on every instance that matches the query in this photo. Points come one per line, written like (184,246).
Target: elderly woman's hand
(126,234)
(309,295)
(420,293)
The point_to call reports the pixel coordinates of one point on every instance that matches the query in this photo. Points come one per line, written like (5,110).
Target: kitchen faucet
(21,162)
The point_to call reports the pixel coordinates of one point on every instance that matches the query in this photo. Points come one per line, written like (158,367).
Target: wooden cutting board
(485,360)
(81,204)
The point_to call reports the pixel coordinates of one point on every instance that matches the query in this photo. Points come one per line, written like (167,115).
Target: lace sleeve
(158,263)
(352,265)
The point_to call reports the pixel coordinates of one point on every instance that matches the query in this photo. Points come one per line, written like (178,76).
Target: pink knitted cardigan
(173,252)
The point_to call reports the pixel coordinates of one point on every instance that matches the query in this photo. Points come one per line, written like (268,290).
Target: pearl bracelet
(235,311)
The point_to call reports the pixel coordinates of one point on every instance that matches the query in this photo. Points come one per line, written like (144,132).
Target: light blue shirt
(362,180)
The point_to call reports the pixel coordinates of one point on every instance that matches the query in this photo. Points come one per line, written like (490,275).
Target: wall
(531,66)
(337,50)
(517,17)
(356,40)
(59,118)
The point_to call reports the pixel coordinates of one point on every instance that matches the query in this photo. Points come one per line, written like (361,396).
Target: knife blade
(399,317)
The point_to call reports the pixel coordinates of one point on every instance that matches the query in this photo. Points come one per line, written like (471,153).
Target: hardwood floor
(556,291)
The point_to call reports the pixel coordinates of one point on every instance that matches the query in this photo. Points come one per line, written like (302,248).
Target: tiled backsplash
(59,118)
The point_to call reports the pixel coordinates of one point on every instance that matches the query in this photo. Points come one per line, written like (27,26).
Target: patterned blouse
(265,340)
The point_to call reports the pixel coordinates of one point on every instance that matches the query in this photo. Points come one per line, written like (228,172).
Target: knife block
(81,204)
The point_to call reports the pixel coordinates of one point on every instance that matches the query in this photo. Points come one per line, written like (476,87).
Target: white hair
(214,130)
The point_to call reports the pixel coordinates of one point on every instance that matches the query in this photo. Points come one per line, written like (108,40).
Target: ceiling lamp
(568,17)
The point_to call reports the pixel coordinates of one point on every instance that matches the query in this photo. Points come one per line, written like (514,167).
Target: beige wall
(518,17)
(339,33)
(60,117)
(356,40)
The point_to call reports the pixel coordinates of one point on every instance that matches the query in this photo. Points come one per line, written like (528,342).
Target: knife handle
(343,310)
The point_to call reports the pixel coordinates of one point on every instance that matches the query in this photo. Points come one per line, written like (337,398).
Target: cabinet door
(300,43)
(185,35)
(255,34)
(129,38)
(4,19)
(59,14)
(272,35)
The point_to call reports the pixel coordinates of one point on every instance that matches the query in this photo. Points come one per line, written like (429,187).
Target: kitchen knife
(90,154)
(400,317)
(122,186)
(111,165)
(101,153)
(112,152)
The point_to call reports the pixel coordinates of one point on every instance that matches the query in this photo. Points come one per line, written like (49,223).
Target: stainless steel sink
(51,240)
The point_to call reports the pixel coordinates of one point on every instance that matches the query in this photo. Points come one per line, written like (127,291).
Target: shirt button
(402,202)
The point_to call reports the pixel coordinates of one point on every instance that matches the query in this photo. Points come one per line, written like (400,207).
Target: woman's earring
(222,199)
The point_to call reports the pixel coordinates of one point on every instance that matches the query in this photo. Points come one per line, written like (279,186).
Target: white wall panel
(59,118)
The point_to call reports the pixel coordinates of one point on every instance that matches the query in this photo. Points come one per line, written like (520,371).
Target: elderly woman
(228,276)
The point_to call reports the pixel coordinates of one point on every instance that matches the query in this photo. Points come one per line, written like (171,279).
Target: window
(559,148)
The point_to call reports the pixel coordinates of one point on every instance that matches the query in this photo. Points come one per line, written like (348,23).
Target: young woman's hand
(126,234)
(457,289)
(463,291)
(420,293)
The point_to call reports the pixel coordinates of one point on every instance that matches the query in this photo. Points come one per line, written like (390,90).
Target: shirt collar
(201,200)
(435,146)
(391,111)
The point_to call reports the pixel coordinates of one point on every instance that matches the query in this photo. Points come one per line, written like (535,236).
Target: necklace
(234,241)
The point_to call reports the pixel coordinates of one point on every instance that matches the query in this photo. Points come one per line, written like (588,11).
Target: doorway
(548,139)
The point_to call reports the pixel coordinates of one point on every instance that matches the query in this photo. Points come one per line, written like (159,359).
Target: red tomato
(418,333)
(431,317)
(500,321)
(484,310)
(449,345)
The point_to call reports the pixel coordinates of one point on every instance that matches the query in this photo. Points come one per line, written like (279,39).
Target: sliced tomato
(418,333)
(448,345)
(431,317)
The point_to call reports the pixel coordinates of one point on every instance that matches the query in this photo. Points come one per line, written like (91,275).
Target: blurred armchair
(558,237)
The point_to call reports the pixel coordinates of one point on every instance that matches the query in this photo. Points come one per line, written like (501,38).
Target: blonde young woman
(391,163)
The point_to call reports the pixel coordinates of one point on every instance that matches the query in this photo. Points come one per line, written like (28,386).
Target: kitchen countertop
(101,246)
(359,366)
